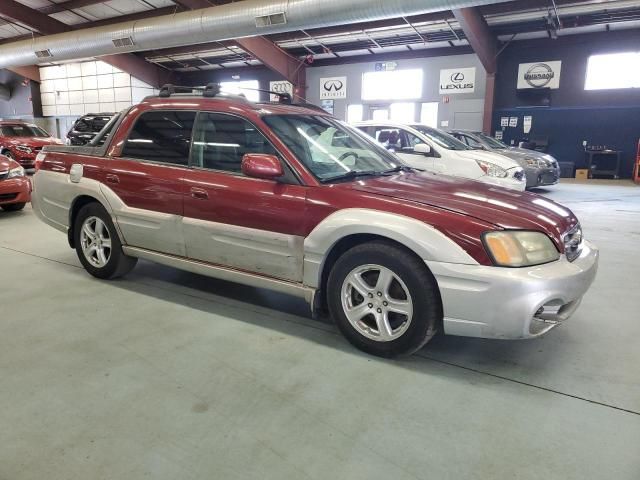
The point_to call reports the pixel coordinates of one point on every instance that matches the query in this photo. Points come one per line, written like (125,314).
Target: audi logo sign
(280,87)
(539,75)
(333,87)
(457,80)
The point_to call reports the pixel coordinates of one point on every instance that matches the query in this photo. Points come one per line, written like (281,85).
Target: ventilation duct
(224,22)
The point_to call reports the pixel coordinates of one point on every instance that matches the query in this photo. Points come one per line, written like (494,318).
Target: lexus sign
(457,80)
(539,75)
(333,87)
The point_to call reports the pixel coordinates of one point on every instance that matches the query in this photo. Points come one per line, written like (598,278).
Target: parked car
(433,150)
(87,127)
(541,168)
(288,198)
(22,141)
(15,187)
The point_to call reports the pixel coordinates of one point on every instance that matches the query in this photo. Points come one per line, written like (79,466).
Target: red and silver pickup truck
(288,198)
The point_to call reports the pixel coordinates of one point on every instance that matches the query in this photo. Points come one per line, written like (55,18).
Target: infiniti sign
(333,87)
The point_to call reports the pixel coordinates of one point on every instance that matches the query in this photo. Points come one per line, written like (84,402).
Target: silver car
(541,169)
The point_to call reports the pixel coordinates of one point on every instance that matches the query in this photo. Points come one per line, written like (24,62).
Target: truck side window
(220,141)
(162,136)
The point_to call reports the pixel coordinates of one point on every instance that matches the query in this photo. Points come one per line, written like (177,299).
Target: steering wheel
(346,155)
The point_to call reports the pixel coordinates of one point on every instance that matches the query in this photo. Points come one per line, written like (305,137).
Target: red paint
(26,159)
(19,186)
(461,209)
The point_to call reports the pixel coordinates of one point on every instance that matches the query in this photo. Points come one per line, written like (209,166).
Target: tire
(13,207)
(411,289)
(112,263)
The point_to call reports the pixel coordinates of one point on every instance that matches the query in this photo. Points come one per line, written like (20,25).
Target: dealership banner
(457,80)
(539,75)
(281,86)
(333,87)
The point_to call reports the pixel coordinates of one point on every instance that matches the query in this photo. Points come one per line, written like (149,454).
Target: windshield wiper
(351,174)
(399,168)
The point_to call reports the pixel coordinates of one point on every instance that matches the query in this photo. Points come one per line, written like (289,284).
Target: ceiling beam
(130,63)
(276,59)
(31,72)
(485,45)
(483,42)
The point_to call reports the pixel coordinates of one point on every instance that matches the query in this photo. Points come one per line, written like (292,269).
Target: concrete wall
(463,110)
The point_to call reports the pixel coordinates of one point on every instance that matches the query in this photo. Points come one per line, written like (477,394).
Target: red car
(288,198)
(15,188)
(22,141)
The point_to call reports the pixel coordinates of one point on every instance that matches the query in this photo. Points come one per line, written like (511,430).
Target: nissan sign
(539,75)
(457,80)
(333,87)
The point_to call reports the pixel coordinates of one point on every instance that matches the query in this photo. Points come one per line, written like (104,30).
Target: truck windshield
(331,149)
(441,139)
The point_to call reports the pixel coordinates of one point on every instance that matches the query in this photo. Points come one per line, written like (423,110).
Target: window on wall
(429,114)
(354,113)
(392,85)
(402,112)
(613,71)
(248,88)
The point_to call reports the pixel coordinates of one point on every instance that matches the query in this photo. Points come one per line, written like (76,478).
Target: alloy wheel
(377,302)
(95,241)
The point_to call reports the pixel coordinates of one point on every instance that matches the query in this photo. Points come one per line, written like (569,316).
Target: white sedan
(427,148)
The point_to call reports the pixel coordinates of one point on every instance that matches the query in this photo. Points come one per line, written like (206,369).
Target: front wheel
(98,245)
(384,299)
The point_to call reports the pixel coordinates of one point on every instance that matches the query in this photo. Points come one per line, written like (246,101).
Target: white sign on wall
(457,80)
(333,87)
(539,75)
(281,86)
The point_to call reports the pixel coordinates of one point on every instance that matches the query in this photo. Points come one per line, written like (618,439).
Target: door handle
(112,178)
(199,193)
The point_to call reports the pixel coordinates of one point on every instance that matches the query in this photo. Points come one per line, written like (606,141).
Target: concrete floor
(168,375)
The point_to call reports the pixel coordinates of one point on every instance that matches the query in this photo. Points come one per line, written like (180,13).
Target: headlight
(491,169)
(16,172)
(24,148)
(534,162)
(520,248)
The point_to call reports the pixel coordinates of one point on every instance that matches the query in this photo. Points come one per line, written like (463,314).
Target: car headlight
(520,248)
(16,172)
(491,169)
(24,148)
(535,162)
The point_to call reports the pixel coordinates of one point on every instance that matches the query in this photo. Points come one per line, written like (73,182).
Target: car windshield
(22,131)
(330,149)
(490,141)
(441,139)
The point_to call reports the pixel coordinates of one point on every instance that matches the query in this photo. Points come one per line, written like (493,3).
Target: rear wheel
(384,299)
(13,207)
(98,245)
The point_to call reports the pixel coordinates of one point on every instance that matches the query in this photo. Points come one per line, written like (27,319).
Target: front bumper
(26,160)
(15,190)
(539,177)
(508,182)
(511,303)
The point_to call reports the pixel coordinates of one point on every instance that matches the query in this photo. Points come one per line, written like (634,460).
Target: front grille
(7,196)
(573,243)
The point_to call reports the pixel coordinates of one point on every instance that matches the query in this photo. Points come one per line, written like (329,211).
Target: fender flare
(426,241)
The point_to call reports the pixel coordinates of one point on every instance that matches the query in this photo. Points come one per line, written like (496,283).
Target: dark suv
(87,127)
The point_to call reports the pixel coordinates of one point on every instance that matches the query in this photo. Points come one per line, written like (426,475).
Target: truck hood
(492,157)
(33,141)
(507,209)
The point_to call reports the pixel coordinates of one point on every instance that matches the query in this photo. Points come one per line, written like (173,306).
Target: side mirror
(260,165)
(422,148)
